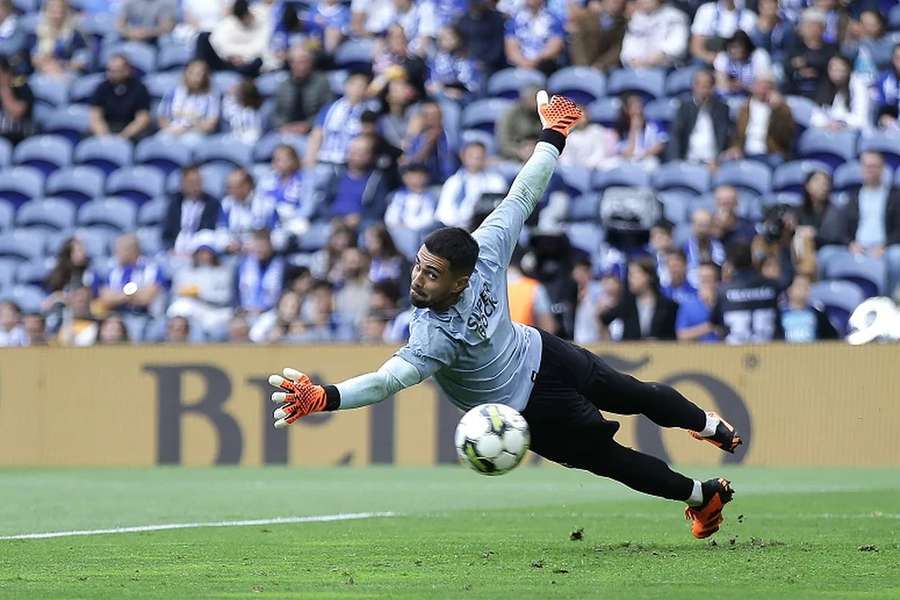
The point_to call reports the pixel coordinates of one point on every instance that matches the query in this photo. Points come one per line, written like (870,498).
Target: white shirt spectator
(702,143)
(231,38)
(852,112)
(410,210)
(14,337)
(591,147)
(757,128)
(379,14)
(715,20)
(461,193)
(662,31)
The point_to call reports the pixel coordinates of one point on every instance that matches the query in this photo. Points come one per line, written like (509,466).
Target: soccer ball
(492,438)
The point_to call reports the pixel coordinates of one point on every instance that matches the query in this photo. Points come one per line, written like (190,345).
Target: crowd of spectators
(314,242)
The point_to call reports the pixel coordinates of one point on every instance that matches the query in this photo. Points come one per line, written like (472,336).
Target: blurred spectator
(190,111)
(641,142)
(596,33)
(12,333)
(301,96)
(612,294)
(746,310)
(836,20)
(589,293)
(371,17)
(397,99)
(112,331)
(693,320)
(178,331)
(644,311)
(189,211)
(701,246)
(243,211)
(657,36)
(321,323)
(482,28)
(353,287)
(72,271)
(239,329)
(534,37)
(260,275)
(427,142)
(701,125)
(58,46)
(386,155)
(121,103)
(393,59)
(329,21)
(358,193)
(326,261)
(13,39)
(16,104)
(287,29)
(802,322)
(811,214)
(716,22)
(739,64)
(591,146)
(338,123)
(35,329)
(887,93)
(772,32)
(518,127)
(239,42)
(452,71)
(678,288)
(385,261)
(807,62)
(872,48)
(774,247)
(730,227)
(283,187)
(79,327)
(529,302)
(419,24)
(278,323)
(765,127)
(869,223)
(843,98)
(132,286)
(201,16)
(241,112)
(203,291)
(411,210)
(147,20)
(464,189)
(661,243)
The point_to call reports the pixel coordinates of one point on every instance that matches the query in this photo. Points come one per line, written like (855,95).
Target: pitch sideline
(168,526)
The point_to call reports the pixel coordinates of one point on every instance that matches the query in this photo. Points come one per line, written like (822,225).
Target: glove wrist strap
(551,136)
(332,397)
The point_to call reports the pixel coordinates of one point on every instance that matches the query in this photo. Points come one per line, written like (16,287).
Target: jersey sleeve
(498,234)
(429,348)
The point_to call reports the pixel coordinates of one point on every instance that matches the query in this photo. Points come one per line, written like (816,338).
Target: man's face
(473,158)
(177,329)
(660,239)
(117,71)
(192,184)
(127,250)
(762,88)
(707,275)
(359,153)
(702,224)
(433,283)
(677,268)
(872,169)
(301,63)
(702,86)
(726,200)
(238,186)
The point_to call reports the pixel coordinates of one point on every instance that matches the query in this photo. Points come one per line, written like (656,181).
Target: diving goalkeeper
(462,335)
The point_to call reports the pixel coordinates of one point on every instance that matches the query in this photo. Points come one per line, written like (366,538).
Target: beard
(419,301)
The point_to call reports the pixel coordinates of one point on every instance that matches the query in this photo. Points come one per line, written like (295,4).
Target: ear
(461,284)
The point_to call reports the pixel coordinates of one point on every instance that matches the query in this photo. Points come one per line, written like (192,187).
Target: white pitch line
(166,526)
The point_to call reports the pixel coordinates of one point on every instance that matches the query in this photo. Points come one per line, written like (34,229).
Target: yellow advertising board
(823,404)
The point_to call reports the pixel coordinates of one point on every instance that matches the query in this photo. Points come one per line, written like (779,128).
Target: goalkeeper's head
(444,263)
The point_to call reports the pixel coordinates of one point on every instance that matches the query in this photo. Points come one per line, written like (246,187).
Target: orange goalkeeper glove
(300,397)
(557,113)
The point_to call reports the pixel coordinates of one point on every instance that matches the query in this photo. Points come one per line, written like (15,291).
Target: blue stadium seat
(97,240)
(839,299)
(6,151)
(885,142)
(21,184)
(8,273)
(141,56)
(27,297)
(680,81)
(315,238)
(585,235)
(605,111)
(584,208)
(117,214)
(866,272)
(97,26)
(150,239)
(577,180)
(355,54)
(164,154)
(139,184)
(678,176)
(582,85)
(661,110)
(894,18)
(649,83)
(269,83)
(47,153)
(158,84)
(747,176)
(484,114)
(224,150)
(831,147)
(82,89)
(265,147)
(48,91)
(32,273)
(48,214)
(224,81)
(153,212)
(72,122)
(214,179)
(27,6)
(77,184)
(625,175)
(507,83)
(781,199)
(336,81)
(22,245)
(848,177)
(107,153)
(791,176)
(477,135)
(174,57)
(676,206)
(802,109)
(7,215)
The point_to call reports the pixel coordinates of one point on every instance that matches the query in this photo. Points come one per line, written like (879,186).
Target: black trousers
(563,413)
(205,52)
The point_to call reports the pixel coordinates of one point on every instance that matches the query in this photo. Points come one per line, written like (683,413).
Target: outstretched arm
(498,234)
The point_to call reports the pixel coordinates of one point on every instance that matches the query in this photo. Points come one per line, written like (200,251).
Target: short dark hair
(740,256)
(679,253)
(455,245)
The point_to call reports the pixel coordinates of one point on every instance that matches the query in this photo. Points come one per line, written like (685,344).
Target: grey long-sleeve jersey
(474,351)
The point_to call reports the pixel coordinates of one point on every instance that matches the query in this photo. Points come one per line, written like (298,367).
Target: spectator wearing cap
(463,190)
(240,42)
(244,210)
(59,47)
(596,32)
(260,275)
(133,285)
(190,111)
(358,192)
(843,98)
(801,320)
(716,22)
(121,103)
(693,322)
(534,37)
(482,29)
(411,209)
(301,96)
(887,93)
(765,126)
(427,142)
(147,20)
(16,104)
(419,23)
(518,127)
(338,123)
(807,62)
(12,332)
(657,36)
(700,129)
(189,211)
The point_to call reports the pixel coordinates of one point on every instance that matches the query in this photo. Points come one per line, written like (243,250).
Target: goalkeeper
(462,335)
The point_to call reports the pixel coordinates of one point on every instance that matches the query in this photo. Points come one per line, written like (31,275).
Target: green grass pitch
(790,533)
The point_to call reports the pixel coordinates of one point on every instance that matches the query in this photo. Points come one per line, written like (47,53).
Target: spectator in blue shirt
(338,123)
(410,212)
(693,320)
(260,275)
(534,38)
(678,288)
(887,93)
(329,20)
(452,72)
(482,28)
(358,193)
(284,188)
(427,142)
(803,322)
